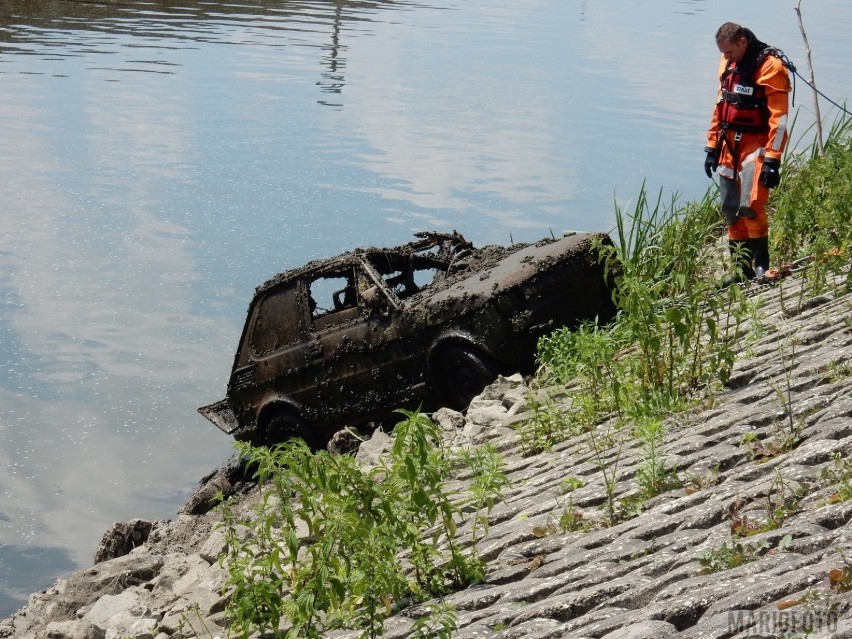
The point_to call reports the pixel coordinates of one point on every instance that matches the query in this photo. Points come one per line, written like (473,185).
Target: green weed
(546,426)
(735,554)
(693,482)
(671,307)
(727,556)
(762,450)
(780,503)
(652,475)
(812,209)
(440,622)
(571,519)
(570,484)
(675,330)
(838,472)
(785,394)
(362,549)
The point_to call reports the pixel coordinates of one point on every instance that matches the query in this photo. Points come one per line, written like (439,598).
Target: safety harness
(742,107)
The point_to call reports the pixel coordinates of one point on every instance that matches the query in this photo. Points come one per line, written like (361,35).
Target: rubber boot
(760,251)
(741,251)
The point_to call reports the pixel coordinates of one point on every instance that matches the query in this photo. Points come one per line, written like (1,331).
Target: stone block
(645,630)
(79,629)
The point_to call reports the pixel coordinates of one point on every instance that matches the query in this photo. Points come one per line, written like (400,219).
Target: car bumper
(221,415)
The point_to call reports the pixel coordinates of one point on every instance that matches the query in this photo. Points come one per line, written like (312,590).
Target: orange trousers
(743,196)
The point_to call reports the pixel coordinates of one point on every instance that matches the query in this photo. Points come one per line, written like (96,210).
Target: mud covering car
(346,341)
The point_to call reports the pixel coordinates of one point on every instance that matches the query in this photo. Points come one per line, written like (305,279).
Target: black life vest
(742,105)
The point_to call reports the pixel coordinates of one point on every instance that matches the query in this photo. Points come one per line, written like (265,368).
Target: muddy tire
(461,373)
(282,426)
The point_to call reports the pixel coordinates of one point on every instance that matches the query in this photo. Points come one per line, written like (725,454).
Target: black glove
(710,161)
(770,174)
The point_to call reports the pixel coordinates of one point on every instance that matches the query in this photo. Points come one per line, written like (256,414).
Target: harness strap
(723,133)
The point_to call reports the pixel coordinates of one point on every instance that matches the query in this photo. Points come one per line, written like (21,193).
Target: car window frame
(375,277)
(299,335)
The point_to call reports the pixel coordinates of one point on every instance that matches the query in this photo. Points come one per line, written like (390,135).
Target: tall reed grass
(676,327)
(811,212)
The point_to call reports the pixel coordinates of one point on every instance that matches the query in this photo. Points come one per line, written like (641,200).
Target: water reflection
(160,159)
(61,30)
(332,79)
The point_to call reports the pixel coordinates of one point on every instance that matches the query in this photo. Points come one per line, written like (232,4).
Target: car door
(272,346)
(344,349)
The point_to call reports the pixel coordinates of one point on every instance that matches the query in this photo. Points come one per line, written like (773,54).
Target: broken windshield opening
(332,292)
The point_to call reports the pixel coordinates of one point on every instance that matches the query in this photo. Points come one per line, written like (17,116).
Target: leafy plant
(693,482)
(780,503)
(811,209)
(682,325)
(673,335)
(571,519)
(785,394)
(735,554)
(570,484)
(607,445)
(838,472)
(546,425)
(487,484)
(652,475)
(726,556)
(762,450)
(372,539)
(440,622)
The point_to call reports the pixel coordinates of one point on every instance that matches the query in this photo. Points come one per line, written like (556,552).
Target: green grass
(673,340)
(331,545)
(811,210)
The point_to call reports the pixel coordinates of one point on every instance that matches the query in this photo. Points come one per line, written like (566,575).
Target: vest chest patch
(738,88)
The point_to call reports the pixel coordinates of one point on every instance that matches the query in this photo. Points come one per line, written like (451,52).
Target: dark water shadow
(28,568)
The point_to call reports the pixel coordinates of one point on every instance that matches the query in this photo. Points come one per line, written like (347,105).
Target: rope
(792,67)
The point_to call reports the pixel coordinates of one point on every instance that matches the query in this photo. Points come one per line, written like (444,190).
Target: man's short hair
(730,32)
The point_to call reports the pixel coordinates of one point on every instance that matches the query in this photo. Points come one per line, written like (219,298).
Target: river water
(160,159)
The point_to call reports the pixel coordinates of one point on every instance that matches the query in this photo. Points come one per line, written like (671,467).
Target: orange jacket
(772,76)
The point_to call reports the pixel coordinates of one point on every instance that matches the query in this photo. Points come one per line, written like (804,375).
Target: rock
(120,611)
(344,442)
(645,630)
(448,419)
(81,629)
(222,483)
(140,629)
(371,451)
(208,496)
(214,547)
(122,538)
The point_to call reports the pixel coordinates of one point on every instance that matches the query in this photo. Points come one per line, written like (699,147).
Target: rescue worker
(745,142)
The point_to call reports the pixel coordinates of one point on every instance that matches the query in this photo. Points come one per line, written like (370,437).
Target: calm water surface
(158,160)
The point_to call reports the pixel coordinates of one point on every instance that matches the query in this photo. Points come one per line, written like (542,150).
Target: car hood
(486,276)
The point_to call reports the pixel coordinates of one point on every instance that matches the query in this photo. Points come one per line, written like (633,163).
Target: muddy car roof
(426,241)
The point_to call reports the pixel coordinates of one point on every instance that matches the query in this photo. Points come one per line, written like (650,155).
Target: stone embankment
(551,571)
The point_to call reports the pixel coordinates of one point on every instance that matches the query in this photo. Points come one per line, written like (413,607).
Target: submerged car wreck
(347,340)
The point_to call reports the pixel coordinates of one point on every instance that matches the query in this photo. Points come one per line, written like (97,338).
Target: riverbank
(755,540)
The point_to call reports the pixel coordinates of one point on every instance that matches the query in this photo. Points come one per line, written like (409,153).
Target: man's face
(734,50)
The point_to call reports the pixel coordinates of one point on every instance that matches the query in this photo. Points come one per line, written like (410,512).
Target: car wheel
(462,373)
(282,426)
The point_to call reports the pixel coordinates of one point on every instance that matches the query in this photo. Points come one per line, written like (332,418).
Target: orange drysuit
(741,153)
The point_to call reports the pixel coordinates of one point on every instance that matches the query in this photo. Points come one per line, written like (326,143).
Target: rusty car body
(347,340)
